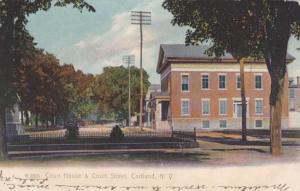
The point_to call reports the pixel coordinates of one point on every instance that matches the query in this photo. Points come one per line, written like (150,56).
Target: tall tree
(111,90)
(268,26)
(50,90)
(13,19)
(83,104)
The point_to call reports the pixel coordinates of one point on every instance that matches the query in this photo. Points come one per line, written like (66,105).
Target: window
(205,124)
(259,108)
(292,105)
(258,124)
(185,107)
(185,83)
(164,110)
(222,81)
(222,106)
(205,81)
(205,107)
(223,124)
(292,93)
(238,82)
(258,81)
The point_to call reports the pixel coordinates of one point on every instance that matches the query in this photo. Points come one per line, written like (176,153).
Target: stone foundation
(232,124)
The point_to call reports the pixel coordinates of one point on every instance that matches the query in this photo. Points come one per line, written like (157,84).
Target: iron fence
(185,135)
(84,135)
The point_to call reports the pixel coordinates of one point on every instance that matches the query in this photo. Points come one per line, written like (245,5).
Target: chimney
(298,81)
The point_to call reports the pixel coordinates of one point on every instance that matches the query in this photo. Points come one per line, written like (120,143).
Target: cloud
(122,38)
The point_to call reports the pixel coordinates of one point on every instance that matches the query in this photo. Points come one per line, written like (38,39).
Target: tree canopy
(15,41)
(50,90)
(111,90)
(238,27)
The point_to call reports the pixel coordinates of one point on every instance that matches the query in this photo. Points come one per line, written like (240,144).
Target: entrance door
(237,109)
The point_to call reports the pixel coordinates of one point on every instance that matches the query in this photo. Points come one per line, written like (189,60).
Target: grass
(167,157)
(212,152)
(95,140)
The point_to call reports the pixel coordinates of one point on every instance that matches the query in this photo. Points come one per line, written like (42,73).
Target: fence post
(195,135)
(172,132)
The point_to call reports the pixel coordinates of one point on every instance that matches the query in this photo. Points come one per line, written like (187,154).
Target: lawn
(215,149)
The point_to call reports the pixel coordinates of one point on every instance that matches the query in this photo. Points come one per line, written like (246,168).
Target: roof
(181,51)
(159,94)
(154,87)
(292,83)
(294,86)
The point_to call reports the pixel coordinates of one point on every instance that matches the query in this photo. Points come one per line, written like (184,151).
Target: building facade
(294,103)
(294,95)
(204,93)
(154,88)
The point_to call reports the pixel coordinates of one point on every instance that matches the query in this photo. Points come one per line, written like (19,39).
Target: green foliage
(51,90)
(16,42)
(116,133)
(111,90)
(238,27)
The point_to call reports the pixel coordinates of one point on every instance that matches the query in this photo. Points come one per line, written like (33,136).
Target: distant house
(202,92)
(294,95)
(294,103)
(154,88)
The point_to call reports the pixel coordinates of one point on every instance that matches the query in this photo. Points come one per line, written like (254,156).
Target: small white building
(154,88)
(159,104)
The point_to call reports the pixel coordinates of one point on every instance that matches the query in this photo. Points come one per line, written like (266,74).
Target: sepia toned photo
(160,95)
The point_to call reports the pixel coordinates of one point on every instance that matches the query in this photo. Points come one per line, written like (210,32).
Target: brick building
(201,92)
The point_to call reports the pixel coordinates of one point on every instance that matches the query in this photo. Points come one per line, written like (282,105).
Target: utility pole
(129,60)
(141,18)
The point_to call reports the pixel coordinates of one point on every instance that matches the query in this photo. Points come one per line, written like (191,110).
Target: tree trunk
(276,96)
(275,121)
(6,65)
(3,150)
(36,120)
(277,29)
(22,117)
(26,118)
(243,97)
(47,122)
(53,121)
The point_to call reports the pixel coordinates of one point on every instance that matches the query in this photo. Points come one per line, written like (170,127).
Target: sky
(91,41)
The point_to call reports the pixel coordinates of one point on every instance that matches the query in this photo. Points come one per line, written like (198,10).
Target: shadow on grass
(264,133)
(238,142)
(136,157)
(232,141)
(245,149)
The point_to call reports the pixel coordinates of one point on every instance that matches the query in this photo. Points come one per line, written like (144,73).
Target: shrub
(72,131)
(116,133)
